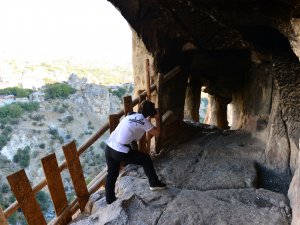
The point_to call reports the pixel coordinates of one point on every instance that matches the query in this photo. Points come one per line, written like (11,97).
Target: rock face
(202,189)
(88,109)
(96,97)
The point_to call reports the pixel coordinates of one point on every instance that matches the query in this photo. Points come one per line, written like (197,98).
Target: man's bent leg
(145,161)
(113,167)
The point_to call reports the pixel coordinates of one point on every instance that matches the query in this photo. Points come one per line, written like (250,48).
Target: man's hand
(157,115)
(155,131)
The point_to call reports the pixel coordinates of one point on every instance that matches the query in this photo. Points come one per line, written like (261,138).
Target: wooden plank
(3,220)
(75,169)
(127,103)
(55,185)
(23,192)
(148,91)
(143,140)
(113,122)
(158,140)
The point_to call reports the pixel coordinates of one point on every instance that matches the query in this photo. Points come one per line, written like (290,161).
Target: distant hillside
(64,112)
(36,74)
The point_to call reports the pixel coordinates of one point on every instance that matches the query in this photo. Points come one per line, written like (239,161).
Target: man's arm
(155,131)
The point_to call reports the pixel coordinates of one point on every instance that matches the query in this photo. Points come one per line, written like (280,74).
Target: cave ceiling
(214,39)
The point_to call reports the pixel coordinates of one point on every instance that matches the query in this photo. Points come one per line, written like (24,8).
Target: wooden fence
(25,193)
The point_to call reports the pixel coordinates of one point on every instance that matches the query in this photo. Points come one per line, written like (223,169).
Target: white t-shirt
(131,128)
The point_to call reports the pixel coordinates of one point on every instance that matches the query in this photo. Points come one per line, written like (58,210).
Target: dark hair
(147,108)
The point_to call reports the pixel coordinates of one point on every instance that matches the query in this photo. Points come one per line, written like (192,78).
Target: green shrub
(42,146)
(5,188)
(4,120)
(7,130)
(14,121)
(3,140)
(37,117)
(22,157)
(61,139)
(29,106)
(58,90)
(102,145)
(43,200)
(69,118)
(16,91)
(34,154)
(13,219)
(12,110)
(11,199)
(53,132)
(120,92)
(61,110)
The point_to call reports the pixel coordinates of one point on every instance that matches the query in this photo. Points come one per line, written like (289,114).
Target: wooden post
(3,220)
(22,190)
(76,173)
(158,139)
(148,80)
(127,102)
(113,122)
(142,141)
(55,185)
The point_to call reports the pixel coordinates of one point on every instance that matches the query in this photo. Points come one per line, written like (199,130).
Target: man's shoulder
(136,118)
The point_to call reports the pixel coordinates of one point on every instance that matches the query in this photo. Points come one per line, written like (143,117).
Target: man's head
(147,108)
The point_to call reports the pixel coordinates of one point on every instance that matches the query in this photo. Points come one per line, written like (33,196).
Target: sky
(51,29)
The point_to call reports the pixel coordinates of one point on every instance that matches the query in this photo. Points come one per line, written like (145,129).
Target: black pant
(113,159)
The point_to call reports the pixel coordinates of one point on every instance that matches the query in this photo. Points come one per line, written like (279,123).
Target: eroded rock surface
(212,179)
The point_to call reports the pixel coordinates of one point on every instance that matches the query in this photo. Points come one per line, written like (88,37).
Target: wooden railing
(25,194)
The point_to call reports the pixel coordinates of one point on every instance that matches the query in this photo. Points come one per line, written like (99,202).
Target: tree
(13,219)
(58,91)
(3,141)
(4,188)
(43,200)
(14,110)
(22,157)
(16,91)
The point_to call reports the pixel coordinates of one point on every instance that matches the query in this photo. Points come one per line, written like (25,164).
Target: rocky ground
(213,177)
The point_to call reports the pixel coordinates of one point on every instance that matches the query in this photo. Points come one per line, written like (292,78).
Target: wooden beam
(55,185)
(148,91)
(143,140)
(158,139)
(168,76)
(66,211)
(75,169)
(113,122)
(3,220)
(127,103)
(23,192)
(94,138)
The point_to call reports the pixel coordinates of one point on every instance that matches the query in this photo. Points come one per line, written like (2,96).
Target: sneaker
(111,201)
(158,186)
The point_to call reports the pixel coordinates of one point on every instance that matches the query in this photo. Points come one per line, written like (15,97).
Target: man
(118,148)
